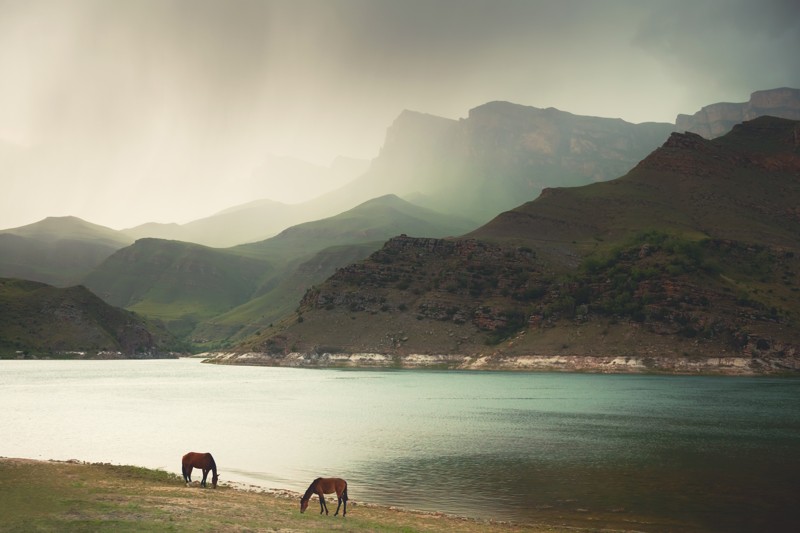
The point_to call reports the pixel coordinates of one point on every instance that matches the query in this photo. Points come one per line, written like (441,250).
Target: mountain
(248,222)
(717,119)
(40,320)
(57,250)
(500,155)
(739,187)
(263,218)
(177,282)
(308,253)
(693,253)
(212,293)
(472,168)
(374,220)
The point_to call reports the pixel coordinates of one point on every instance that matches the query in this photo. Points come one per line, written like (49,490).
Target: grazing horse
(204,462)
(326,485)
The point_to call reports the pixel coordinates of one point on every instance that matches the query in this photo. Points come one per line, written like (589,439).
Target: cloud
(129,111)
(730,47)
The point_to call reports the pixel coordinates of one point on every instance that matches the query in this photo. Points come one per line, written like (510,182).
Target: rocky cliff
(501,155)
(717,119)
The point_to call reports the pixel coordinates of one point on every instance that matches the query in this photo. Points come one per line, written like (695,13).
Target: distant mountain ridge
(500,155)
(717,119)
(57,250)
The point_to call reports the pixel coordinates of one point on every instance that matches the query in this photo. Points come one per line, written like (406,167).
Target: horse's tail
(344,492)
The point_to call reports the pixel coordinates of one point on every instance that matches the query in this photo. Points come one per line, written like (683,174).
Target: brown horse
(326,485)
(204,462)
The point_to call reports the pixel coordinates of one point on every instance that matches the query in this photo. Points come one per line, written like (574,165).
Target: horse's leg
(188,472)
(205,475)
(344,499)
(322,504)
(340,504)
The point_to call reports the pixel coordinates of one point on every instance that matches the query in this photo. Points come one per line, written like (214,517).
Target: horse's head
(303,504)
(214,479)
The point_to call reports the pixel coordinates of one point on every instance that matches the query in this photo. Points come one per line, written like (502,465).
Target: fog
(123,112)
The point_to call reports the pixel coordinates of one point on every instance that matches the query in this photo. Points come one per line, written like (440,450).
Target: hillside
(44,321)
(179,283)
(693,253)
(209,295)
(57,250)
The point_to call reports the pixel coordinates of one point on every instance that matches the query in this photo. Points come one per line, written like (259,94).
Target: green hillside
(210,295)
(179,283)
(44,321)
(695,252)
(57,250)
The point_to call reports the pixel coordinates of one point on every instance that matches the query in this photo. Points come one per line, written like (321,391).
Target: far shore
(650,364)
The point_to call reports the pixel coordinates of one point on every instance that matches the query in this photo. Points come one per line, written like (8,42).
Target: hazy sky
(127,111)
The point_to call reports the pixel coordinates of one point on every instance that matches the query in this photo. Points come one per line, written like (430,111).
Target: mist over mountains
(695,253)
(242,272)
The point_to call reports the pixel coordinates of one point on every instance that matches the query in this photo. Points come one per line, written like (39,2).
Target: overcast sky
(127,111)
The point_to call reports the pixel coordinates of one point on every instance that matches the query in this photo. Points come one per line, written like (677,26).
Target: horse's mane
(310,489)
(213,462)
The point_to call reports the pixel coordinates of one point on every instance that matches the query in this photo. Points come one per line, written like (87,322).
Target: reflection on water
(650,453)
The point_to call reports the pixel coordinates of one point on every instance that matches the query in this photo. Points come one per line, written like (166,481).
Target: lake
(650,453)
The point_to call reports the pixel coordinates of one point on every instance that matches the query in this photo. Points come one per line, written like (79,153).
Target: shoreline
(671,365)
(138,497)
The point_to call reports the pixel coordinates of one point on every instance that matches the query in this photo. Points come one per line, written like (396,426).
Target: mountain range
(433,178)
(693,253)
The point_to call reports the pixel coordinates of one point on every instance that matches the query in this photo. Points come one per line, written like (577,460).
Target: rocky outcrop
(718,119)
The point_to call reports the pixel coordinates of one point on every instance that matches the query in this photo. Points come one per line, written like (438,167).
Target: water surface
(651,453)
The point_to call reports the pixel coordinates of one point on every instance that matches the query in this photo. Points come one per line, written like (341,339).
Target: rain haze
(123,112)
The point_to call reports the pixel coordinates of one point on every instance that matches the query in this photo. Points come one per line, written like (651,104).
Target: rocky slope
(38,320)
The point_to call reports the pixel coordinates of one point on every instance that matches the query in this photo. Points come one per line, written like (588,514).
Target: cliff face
(501,155)
(717,119)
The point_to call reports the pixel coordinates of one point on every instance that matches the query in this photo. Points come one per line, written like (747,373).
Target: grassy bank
(69,496)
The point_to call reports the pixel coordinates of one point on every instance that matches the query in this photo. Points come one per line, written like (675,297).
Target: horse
(326,485)
(203,461)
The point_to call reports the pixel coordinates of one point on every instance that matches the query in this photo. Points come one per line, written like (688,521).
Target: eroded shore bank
(731,366)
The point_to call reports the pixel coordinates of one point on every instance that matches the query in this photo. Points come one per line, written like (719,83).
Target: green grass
(67,497)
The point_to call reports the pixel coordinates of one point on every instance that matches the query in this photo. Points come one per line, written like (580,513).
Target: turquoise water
(650,453)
